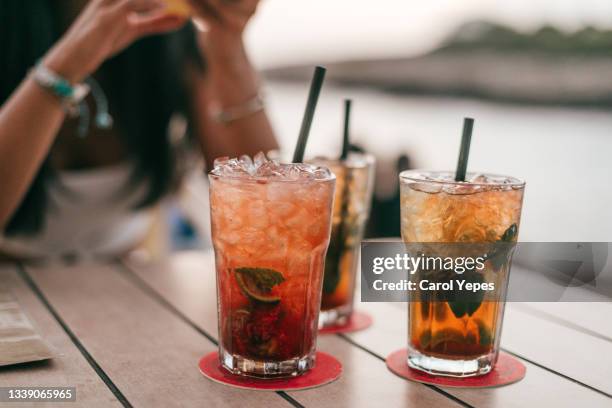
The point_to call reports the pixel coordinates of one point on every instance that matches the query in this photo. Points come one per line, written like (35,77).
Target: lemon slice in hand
(178,8)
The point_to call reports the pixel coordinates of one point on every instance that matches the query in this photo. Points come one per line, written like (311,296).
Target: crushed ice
(476,182)
(261,167)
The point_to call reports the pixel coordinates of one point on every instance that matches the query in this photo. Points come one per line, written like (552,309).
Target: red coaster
(508,370)
(326,370)
(356,322)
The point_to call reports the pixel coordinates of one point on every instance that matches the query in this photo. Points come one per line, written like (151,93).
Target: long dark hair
(144,84)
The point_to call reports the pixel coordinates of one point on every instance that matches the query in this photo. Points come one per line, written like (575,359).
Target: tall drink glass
(460,338)
(354,186)
(270,227)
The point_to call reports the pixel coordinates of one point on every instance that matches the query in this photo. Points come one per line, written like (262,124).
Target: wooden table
(131,334)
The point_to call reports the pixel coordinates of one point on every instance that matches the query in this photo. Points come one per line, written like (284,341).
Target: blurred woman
(89,90)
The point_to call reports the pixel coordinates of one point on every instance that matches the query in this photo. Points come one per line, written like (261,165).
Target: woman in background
(77,172)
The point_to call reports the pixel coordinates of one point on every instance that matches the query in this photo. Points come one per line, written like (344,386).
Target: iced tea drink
(461,337)
(270,227)
(354,185)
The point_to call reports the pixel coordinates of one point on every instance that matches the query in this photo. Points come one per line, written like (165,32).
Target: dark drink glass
(354,185)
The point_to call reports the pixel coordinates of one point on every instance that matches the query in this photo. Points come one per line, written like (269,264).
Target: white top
(88,216)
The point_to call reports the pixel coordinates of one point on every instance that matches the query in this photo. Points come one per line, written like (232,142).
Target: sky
(310,31)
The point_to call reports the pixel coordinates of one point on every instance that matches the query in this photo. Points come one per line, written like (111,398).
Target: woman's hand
(105,28)
(230,82)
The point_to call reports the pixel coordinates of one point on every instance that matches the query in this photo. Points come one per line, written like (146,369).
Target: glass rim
(367,160)
(416,175)
(266,180)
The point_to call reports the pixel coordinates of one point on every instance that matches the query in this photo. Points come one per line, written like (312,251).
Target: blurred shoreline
(482,60)
(562,152)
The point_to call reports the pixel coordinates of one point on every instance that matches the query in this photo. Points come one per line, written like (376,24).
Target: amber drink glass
(459,338)
(354,185)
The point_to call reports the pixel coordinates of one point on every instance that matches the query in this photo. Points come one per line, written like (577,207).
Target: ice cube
(321,173)
(460,188)
(431,188)
(260,159)
(221,161)
(479,179)
(247,164)
(267,169)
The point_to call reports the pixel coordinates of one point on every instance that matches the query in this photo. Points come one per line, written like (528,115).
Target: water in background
(562,153)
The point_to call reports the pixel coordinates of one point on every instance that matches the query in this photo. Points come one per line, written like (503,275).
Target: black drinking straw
(464,151)
(347,119)
(311,105)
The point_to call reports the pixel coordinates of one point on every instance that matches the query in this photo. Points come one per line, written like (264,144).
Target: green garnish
(484,334)
(257,283)
(500,253)
(498,258)
(510,234)
(458,308)
(470,301)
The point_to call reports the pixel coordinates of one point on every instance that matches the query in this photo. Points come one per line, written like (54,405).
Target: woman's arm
(230,81)
(32,116)
(29,121)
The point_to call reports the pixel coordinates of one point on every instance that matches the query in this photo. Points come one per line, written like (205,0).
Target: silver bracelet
(234,113)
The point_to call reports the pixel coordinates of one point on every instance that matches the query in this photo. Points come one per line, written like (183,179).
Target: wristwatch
(69,95)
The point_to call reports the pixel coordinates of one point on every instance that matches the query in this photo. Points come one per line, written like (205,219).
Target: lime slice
(257,283)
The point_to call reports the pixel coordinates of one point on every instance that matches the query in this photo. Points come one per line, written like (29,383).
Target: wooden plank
(150,354)
(570,310)
(68,368)
(573,353)
(366,382)
(592,318)
(540,387)
(187,281)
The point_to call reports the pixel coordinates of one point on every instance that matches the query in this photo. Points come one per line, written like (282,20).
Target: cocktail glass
(459,338)
(354,186)
(271,224)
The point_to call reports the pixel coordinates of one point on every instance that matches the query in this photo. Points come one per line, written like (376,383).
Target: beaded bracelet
(69,95)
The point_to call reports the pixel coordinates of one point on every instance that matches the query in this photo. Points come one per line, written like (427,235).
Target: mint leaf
(262,278)
(458,308)
(510,234)
(484,334)
(469,302)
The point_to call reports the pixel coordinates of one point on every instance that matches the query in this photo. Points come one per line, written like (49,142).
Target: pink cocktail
(270,227)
